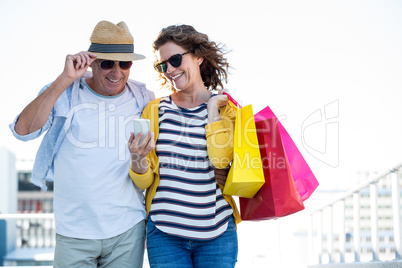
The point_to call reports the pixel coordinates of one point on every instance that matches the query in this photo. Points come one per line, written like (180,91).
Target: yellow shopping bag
(246,174)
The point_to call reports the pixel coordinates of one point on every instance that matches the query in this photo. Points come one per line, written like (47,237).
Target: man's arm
(35,114)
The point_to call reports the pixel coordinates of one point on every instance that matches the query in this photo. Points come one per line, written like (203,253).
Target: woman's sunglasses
(174,60)
(107,65)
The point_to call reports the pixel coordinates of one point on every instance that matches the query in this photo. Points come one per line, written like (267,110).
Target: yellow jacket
(220,151)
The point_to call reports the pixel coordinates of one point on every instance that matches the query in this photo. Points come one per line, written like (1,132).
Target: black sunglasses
(174,60)
(107,65)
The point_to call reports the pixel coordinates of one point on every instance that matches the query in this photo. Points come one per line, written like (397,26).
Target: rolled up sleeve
(29,136)
(143,181)
(220,138)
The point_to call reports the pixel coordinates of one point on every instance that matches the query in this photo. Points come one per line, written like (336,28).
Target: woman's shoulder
(155,101)
(152,105)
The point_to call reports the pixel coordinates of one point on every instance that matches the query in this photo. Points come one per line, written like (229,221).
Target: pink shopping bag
(304,179)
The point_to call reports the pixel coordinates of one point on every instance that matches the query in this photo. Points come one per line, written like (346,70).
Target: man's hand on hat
(76,65)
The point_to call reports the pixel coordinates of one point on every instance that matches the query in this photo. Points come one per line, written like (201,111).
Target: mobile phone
(141,126)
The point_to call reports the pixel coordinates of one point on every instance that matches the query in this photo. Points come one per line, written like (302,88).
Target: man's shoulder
(140,90)
(136,83)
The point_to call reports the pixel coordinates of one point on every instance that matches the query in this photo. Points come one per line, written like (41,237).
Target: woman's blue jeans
(170,251)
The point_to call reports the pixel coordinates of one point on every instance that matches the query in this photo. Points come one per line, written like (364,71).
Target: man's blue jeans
(169,251)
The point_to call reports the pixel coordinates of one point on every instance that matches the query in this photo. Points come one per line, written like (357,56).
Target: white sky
(295,56)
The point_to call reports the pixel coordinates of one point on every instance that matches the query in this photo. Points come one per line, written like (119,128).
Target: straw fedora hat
(113,42)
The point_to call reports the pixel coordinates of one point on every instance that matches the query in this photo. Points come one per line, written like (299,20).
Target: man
(99,213)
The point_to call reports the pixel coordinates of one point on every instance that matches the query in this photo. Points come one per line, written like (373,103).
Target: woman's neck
(191,99)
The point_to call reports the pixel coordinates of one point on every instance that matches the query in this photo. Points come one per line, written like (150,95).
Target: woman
(190,222)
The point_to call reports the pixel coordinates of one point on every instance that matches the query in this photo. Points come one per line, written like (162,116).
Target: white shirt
(94,198)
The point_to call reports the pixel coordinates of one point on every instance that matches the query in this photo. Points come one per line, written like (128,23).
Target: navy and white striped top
(188,201)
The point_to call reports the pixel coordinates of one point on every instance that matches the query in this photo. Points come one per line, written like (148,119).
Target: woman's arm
(220,137)
(139,149)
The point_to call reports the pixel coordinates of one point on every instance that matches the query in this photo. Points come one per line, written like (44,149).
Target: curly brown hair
(213,69)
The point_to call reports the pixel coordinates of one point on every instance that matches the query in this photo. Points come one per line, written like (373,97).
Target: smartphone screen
(141,126)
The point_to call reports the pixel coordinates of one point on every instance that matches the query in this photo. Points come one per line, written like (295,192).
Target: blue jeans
(170,251)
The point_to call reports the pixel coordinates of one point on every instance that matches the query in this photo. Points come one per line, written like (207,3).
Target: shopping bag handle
(232,100)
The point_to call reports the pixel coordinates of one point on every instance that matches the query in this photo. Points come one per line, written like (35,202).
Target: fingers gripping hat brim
(113,42)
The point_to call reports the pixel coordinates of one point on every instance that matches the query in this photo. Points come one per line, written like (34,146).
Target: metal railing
(33,230)
(361,225)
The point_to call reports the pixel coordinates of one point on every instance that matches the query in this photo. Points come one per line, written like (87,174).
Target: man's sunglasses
(107,65)
(174,60)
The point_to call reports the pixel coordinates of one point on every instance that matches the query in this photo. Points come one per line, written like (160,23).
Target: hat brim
(118,56)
